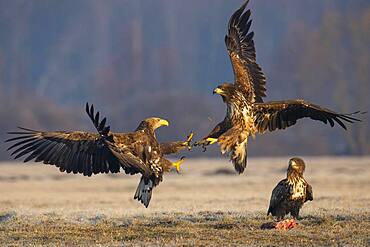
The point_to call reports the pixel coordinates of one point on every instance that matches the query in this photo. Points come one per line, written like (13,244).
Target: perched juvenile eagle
(247,114)
(291,193)
(103,152)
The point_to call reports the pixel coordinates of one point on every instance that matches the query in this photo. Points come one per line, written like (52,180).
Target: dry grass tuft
(40,206)
(203,228)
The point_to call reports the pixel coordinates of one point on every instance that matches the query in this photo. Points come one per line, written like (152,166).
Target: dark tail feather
(239,156)
(144,191)
(240,165)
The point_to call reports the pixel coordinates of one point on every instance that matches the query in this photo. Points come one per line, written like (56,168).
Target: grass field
(207,204)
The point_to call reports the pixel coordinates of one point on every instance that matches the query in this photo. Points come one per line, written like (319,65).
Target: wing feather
(282,114)
(309,193)
(279,194)
(77,152)
(240,46)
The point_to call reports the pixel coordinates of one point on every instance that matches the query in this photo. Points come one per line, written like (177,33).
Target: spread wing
(279,194)
(240,46)
(77,152)
(282,114)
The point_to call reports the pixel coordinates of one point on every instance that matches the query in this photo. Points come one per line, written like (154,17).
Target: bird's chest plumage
(242,115)
(297,189)
(249,120)
(154,161)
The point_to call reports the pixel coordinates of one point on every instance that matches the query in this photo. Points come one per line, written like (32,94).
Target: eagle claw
(203,143)
(188,141)
(178,163)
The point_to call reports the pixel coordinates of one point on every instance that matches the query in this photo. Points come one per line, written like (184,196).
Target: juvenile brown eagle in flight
(247,114)
(103,152)
(291,193)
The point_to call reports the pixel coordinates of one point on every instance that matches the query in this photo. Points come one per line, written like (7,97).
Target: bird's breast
(298,188)
(248,118)
(242,115)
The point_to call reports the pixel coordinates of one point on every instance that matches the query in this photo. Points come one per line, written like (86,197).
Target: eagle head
(296,165)
(225,90)
(152,123)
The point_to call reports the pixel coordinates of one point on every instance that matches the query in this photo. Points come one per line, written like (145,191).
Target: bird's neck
(232,111)
(294,176)
(147,129)
(151,132)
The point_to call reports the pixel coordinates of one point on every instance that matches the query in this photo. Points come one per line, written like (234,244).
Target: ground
(207,204)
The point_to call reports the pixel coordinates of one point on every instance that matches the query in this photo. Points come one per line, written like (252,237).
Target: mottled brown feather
(240,46)
(282,114)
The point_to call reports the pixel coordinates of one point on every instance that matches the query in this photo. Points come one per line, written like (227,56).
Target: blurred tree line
(135,59)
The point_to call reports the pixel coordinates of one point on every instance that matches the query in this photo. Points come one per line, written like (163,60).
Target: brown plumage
(247,114)
(291,193)
(175,147)
(103,152)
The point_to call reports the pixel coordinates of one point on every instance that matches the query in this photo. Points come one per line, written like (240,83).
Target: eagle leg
(205,142)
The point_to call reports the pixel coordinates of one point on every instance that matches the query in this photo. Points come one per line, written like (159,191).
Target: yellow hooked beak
(163,122)
(218,91)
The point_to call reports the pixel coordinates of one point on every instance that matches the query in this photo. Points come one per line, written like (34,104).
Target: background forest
(135,59)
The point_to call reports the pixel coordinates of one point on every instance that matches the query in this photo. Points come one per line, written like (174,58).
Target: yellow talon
(190,137)
(187,142)
(211,140)
(178,163)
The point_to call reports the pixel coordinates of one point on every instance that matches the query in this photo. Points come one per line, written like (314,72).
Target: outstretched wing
(240,46)
(282,114)
(77,152)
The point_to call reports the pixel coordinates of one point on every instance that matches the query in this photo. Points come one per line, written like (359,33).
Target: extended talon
(178,163)
(190,137)
(211,140)
(188,141)
(205,142)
